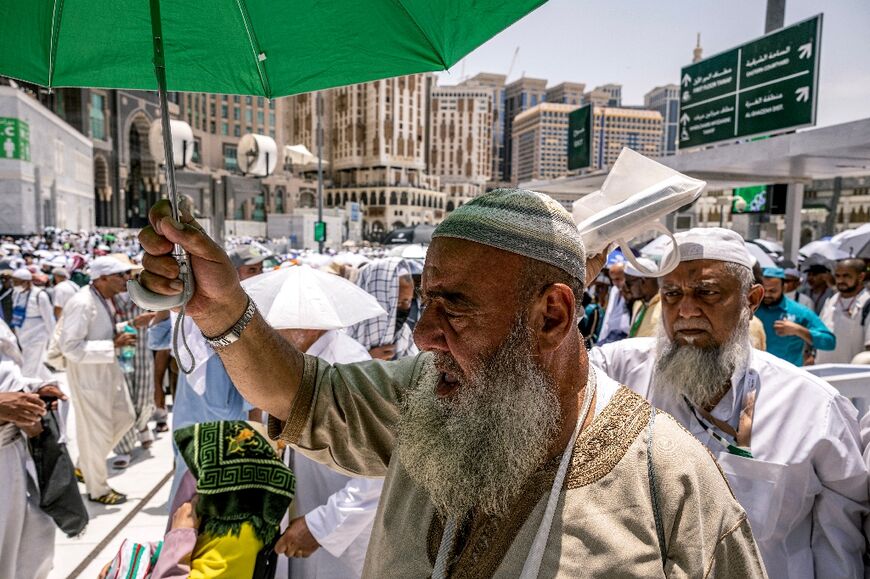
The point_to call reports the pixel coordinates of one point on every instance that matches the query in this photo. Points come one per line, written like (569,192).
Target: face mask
(401,317)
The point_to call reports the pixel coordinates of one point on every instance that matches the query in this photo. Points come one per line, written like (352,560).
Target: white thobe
(36,329)
(64,291)
(24,551)
(843,318)
(806,489)
(616,316)
(104,411)
(339,510)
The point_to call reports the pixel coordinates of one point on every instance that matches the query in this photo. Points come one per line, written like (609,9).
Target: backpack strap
(653,487)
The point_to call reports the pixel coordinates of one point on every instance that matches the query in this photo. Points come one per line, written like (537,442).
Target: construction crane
(513,62)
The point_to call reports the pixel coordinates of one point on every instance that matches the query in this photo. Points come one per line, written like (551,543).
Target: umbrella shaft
(160,70)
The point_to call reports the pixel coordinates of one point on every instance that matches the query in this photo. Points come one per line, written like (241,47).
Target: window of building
(98,116)
(231,162)
(260,116)
(236,114)
(249,115)
(237,131)
(225,128)
(212,127)
(225,111)
(249,100)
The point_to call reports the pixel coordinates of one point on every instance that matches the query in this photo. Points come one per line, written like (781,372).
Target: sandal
(161,427)
(122,461)
(110,498)
(79,475)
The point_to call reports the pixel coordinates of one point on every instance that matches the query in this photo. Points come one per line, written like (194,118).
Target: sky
(642,44)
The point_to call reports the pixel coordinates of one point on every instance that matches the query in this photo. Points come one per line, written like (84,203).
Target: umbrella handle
(148,300)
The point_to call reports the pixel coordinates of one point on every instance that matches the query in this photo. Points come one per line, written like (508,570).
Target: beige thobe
(345,416)
(104,412)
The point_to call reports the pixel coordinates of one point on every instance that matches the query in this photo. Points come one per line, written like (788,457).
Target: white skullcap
(107,265)
(23,274)
(712,243)
(645,262)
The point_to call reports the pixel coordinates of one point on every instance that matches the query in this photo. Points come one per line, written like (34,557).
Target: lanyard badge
(742,437)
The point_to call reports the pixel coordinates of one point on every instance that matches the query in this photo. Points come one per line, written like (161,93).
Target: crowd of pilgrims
(71,337)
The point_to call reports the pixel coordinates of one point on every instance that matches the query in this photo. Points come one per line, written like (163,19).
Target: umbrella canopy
(771,247)
(825,248)
(855,242)
(301,297)
(656,248)
(762,257)
(410,251)
(256,48)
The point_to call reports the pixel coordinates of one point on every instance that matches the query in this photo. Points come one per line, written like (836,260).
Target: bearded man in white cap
(788,442)
(33,323)
(88,340)
(506,454)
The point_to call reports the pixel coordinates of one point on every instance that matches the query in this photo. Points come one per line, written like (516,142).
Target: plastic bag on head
(636,194)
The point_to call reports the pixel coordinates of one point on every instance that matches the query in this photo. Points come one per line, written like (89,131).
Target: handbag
(59,495)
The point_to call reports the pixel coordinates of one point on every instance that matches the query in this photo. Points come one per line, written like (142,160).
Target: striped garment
(380,278)
(134,560)
(140,382)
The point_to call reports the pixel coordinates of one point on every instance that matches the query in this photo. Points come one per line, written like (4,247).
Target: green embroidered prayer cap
(524,222)
(239,478)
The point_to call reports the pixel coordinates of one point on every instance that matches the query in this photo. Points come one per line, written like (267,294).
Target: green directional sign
(319,231)
(580,138)
(14,139)
(765,86)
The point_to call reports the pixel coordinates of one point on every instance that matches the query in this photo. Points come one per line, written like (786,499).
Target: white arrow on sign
(685,118)
(805,50)
(686,79)
(802,94)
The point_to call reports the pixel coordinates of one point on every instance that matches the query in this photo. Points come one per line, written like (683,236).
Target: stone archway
(102,191)
(142,184)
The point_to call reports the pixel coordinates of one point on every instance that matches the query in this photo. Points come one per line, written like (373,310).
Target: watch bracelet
(230,336)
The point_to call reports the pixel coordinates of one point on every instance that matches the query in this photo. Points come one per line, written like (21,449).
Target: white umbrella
(855,242)
(763,258)
(354,259)
(657,248)
(826,248)
(409,251)
(773,247)
(305,298)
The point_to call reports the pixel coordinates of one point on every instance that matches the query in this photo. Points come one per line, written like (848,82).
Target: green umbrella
(253,47)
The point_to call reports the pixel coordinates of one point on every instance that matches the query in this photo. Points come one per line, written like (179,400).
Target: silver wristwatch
(235,332)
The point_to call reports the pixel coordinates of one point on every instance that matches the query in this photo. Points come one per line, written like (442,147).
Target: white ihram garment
(616,316)
(339,510)
(24,551)
(33,335)
(104,411)
(806,489)
(64,291)
(843,318)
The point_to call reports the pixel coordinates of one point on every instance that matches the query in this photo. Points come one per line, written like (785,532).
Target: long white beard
(477,449)
(701,374)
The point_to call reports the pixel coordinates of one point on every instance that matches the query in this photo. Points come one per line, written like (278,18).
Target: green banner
(580,138)
(14,139)
(764,86)
(755,198)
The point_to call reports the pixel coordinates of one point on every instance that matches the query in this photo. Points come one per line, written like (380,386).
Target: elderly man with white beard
(787,441)
(505,453)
